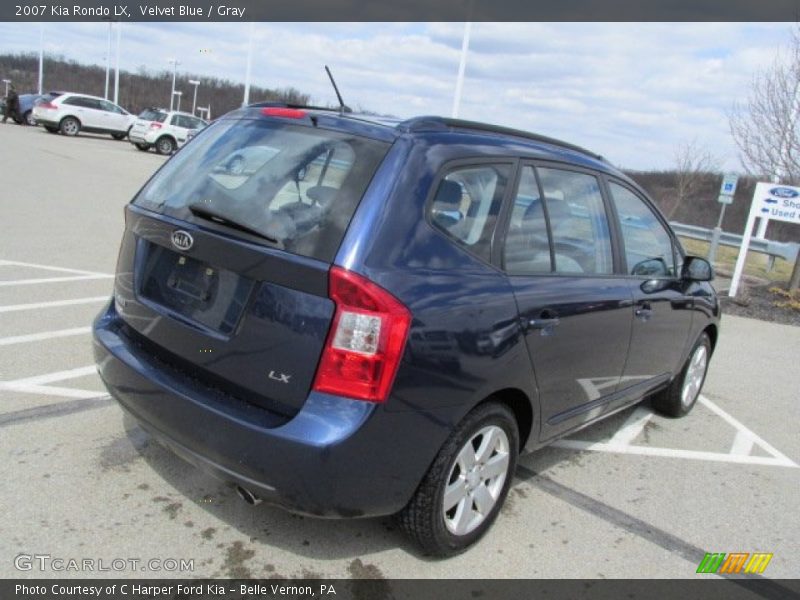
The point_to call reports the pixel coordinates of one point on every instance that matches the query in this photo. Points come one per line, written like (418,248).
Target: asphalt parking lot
(636,496)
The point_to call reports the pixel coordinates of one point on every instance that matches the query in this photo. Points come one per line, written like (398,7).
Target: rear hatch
(147,119)
(223,273)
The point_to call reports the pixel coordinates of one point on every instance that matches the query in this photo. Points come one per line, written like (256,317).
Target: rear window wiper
(203,211)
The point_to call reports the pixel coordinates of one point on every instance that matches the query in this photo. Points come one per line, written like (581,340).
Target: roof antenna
(343,108)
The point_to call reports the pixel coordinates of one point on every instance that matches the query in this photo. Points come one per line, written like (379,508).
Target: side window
(578,222)
(108,106)
(94,104)
(78,101)
(466,205)
(176,121)
(527,246)
(648,246)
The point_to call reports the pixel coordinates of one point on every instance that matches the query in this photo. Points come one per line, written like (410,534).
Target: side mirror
(697,268)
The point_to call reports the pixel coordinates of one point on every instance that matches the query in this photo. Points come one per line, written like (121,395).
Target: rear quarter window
(466,205)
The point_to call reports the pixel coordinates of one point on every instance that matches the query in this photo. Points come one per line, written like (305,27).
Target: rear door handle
(547,319)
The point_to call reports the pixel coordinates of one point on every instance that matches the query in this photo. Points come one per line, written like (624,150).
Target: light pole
(116,65)
(462,65)
(195,83)
(108,59)
(174,62)
(178,94)
(41,57)
(246,99)
(6,81)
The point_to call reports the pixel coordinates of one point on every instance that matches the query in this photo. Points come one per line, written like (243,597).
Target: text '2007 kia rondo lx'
(352,317)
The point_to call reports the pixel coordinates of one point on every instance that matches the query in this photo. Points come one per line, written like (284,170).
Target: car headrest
(448,197)
(322,194)
(557,209)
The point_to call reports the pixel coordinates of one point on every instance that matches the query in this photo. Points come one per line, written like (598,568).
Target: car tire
(142,147)
(450,496)
(29,118)
(681,395)
(165,145)
(69,126)
(119,136)
(50,129)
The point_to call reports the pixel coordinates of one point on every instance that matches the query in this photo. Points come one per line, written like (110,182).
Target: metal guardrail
(785,250)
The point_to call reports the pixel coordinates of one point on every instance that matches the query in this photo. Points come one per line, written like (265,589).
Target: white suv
(72,113)
(163,129)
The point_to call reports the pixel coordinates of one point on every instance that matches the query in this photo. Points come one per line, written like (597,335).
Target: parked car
(164,130)
(26,104)
(71,113)
(361,316)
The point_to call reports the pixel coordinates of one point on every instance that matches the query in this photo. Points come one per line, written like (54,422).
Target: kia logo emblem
(782,192)
(182,240)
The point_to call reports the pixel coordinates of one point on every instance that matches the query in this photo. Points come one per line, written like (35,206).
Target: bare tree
(692,161)
(765,126)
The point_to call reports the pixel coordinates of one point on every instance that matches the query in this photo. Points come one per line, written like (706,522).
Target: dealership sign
(771,202)
(778,202)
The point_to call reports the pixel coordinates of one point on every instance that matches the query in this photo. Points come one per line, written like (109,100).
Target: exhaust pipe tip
(248,496)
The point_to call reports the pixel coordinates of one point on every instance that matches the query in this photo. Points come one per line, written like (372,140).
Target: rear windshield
(150,114)
(297,186)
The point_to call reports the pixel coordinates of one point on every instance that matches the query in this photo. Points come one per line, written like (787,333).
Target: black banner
(401,589)
(401,10)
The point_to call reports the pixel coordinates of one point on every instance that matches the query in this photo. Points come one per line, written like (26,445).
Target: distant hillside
(136,90)
(702,207)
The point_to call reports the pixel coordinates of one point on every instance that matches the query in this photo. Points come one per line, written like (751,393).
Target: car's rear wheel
(681,396)
(70,126)
(142,147)
(165,145)
(119,136)
(30,119)
(462,493)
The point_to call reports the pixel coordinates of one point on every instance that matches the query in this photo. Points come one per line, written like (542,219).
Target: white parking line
(742,446)
(677,453)
(45,335)
(35,305)
(17,263)
(34,385)
(56,376)
(54,279)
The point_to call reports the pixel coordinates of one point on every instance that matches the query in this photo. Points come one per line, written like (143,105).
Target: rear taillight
(47,105)
(155,125)
(366,340)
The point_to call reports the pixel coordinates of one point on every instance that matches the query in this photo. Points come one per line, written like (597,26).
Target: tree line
(139,90)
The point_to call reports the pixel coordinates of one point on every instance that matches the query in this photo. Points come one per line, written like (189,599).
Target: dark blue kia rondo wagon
(350,317)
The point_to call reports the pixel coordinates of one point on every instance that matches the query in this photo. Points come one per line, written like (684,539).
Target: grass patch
(756,263)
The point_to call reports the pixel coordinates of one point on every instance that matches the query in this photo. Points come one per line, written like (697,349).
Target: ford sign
(182,240)
(784,192)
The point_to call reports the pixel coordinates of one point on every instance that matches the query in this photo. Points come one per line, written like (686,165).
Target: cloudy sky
(630,91)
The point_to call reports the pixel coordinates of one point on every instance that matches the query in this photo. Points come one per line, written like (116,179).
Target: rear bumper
(335,458)
(44,121)
(139,137)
